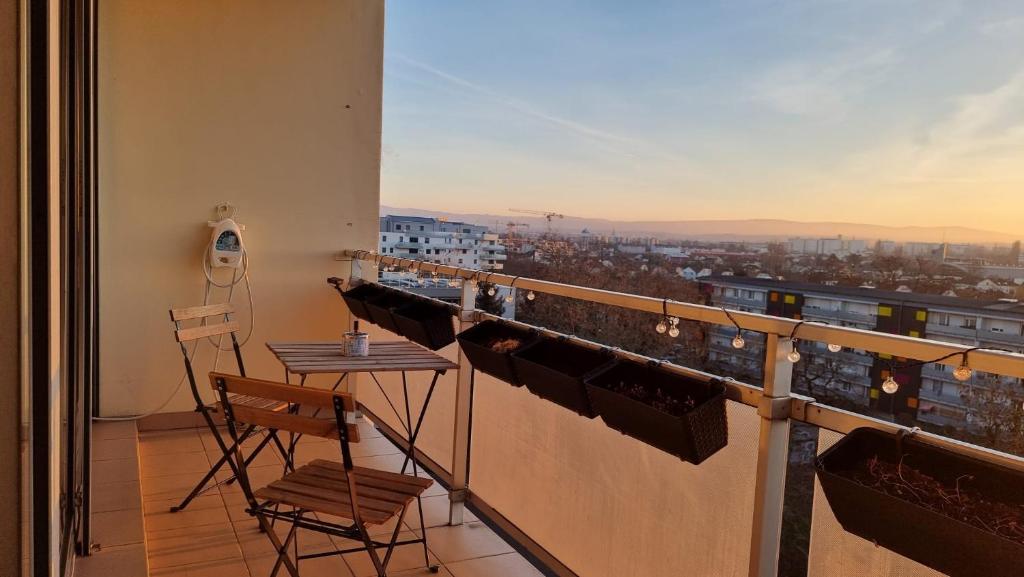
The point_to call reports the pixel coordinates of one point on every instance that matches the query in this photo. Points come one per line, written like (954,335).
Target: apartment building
(441,241)
(928,393)
(838,246)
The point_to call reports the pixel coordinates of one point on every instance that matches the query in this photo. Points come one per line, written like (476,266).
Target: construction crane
(546,214)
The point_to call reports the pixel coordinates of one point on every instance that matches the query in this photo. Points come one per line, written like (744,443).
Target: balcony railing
(841,315)
(578,521)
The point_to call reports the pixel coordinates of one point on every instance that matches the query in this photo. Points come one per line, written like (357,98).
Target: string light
(834,348)
(667,324)
(511,290)
(530,296)
(890,385)
(737,341)
(794,354)
(963,372)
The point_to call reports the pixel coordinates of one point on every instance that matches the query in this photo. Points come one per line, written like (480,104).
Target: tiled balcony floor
(215,537)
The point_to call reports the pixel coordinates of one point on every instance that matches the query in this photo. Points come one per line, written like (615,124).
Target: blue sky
(888,112)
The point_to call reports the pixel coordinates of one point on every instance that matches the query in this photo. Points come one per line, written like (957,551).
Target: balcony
(832,315)
(938,331)
(522,487)
(1011,340)
(493,531)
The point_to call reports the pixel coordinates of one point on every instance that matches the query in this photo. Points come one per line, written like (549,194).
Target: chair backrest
(334,402)
(226,326)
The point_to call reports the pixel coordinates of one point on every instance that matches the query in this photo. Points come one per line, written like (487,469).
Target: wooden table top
(303,358)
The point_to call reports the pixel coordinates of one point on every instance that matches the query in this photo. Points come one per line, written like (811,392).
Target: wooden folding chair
(202,315)
(363,496)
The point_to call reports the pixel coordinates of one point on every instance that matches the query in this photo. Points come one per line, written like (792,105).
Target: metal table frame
(351,365)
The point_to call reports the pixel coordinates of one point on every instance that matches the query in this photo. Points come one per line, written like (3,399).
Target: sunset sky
(888,112)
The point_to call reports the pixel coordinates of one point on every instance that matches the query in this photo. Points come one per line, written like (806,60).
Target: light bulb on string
(890,385)
(661,327)
(738,342)
(491,291)
(794,355)
(673,331)
(962,373)
(509,298)
(530,296)
(834,348)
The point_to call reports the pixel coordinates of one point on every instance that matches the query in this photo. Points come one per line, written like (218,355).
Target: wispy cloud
(520,106)
(1003,28)
(986,127)
(821,88)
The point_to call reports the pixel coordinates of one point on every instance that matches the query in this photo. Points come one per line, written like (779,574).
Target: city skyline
(895,113)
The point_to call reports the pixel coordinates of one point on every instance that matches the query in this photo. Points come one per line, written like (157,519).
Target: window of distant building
(969,323)
(414,239)
(937,387)
(465,230)
(414,251)
(384,238)
(942,319)
(846,386)
(460,261)
(421,227)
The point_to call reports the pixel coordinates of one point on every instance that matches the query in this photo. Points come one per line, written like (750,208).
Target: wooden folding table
(324,357)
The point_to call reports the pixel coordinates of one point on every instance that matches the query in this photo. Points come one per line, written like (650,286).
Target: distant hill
(751,230)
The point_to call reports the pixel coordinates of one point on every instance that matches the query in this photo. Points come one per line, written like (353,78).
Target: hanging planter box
(554,369)
(383,306)
(356,298)
(489,346)
(944,510)
(681,415)
(426,323)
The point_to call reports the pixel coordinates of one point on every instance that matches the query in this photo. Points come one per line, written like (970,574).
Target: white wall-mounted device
(226,245)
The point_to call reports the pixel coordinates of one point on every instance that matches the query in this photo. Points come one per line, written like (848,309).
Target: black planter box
(357,297)
(693,436)
(475,342)
(554,369)
(426,323)
(947,545)
(382,307)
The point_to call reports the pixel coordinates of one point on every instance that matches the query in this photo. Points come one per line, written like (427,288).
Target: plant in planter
(956,514)
(426,322)
(681,415)
(489,346)
(554,369)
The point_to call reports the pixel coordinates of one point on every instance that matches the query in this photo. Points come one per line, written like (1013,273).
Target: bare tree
(994,407)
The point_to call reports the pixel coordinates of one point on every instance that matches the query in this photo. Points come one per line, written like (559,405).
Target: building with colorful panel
(927,393)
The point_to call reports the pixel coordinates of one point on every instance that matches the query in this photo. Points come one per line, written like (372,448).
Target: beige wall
(10,350)
(273,106)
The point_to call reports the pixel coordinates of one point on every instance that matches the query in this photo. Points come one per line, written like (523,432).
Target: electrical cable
(210,282)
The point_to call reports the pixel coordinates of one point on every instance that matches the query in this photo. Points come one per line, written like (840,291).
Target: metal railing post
(772,458)
(463,415)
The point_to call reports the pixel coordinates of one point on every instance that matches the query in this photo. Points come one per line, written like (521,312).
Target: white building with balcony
(442,242)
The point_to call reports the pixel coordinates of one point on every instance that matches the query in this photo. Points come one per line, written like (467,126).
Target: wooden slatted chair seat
(253,402)
(321,486)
